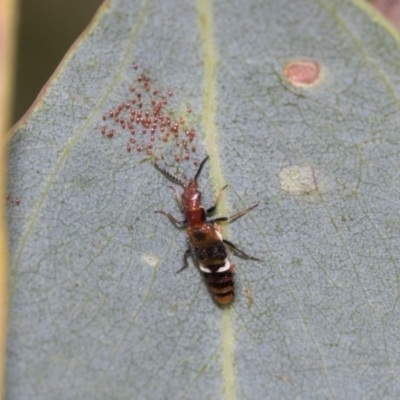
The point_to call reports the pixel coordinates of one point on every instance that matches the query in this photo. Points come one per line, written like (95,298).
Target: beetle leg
(220,219)
(212,209)
(235,248)
(185,261)
(234,216)
(177,196)
(177,223)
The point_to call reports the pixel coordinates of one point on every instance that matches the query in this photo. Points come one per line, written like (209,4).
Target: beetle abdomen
(219,279)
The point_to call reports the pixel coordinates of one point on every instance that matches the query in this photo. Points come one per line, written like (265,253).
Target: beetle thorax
(191,198)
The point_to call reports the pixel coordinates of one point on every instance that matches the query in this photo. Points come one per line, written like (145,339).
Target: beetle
(206,243)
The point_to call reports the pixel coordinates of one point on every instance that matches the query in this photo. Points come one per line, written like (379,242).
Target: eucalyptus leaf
(97,310)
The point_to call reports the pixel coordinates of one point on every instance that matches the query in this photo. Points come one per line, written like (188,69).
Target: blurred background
(48,28)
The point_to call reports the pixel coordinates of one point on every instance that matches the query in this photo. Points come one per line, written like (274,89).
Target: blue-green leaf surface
(96,308)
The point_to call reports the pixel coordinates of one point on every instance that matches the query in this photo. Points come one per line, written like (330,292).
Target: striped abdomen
(208,249)
(220,283)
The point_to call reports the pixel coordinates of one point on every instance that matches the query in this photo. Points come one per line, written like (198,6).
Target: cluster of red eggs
(149,122)
(12,202)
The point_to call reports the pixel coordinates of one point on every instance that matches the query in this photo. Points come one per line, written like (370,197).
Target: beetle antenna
(168,175)
(200,168)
